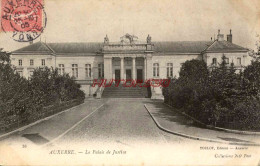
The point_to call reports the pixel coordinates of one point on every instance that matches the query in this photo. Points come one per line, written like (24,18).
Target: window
(139,62)
(101,70)
(88,70)
(43,62)
(226,60)
(116,62)
(75,70)
(214,61)
(20,72)
(156,69)
(61,69)
(238,61)
(31,62)
(169,70)
(128,61)
(20,62)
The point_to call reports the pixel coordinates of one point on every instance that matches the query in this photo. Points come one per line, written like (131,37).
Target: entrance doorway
(140,75)
(117,74)
(128,74)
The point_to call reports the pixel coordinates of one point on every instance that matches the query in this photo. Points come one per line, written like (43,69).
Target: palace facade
(126,59)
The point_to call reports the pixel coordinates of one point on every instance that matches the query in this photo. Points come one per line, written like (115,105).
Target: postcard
(130,82)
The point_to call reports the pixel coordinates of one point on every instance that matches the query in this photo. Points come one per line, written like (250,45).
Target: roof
(75,47)
(38,47)
(159,47)
(224,46)
(182,46)
(41,47)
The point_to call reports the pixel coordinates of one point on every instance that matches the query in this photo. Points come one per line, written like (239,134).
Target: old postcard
(130,82)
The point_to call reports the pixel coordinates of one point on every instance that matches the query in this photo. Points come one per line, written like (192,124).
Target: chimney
(229,37)
(220,37)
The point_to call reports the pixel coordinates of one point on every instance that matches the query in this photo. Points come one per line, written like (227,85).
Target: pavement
(116,132)
(50,128)
(171,120)
(119,122)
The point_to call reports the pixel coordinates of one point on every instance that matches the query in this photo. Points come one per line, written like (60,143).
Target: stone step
(126,93)
(115,88)
(123,97)
(120,90)
(123,92)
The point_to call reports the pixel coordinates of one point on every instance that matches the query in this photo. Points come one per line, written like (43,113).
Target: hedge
(23,101)
(217,96)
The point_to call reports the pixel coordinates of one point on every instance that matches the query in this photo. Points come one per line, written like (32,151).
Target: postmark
(24,20)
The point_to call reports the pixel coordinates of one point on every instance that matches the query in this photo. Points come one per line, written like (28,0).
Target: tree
(217,97)
(184,92)
(258,45)
(194,70)
(23,100)
(14,98)
(51,88)
(4,56)
(252,77)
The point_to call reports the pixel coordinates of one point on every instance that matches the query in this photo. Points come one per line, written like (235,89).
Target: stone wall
(37,62)
(80,61)
(245,58)
(175,59)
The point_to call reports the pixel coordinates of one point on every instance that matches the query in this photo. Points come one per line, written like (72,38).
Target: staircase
(124,92)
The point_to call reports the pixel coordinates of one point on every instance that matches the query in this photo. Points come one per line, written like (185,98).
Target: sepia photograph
(130,82)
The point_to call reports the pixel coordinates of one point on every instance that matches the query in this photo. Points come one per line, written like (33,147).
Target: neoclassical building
(128,58)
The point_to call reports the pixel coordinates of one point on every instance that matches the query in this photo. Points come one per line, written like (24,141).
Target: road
(114,130)
(124,122)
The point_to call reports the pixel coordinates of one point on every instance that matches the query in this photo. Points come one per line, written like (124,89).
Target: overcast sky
(164,20)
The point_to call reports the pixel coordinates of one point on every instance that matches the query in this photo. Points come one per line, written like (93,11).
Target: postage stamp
(25,20)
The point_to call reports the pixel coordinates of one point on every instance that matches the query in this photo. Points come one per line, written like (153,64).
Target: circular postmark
(24,19)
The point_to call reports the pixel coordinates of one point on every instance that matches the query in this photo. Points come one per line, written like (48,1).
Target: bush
(23,100)
(248,114)
(218,97)
(51,88)
(252,78)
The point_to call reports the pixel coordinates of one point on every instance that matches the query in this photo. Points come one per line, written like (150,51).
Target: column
(122,68)
(133,68)
(149,66)
(145,68)
(108,68)
(111,68)
(92,71)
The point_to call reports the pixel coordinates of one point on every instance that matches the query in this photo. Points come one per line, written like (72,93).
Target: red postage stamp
(24,19)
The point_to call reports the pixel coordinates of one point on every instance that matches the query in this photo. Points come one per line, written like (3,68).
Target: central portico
(127,59)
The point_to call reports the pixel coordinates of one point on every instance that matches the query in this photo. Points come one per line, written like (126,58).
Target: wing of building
(126,59)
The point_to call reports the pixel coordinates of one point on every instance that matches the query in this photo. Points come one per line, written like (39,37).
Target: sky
(164,20)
